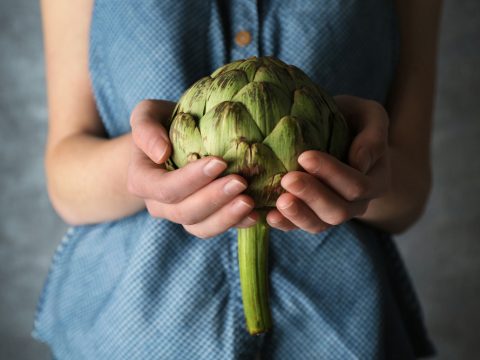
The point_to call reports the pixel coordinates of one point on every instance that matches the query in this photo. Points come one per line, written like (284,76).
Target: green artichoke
(259,115)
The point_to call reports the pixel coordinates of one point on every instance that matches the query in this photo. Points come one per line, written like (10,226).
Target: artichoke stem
(253,265)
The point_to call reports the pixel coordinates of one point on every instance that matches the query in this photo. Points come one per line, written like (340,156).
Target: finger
(277,220)
(148,180)
(206,201)
(347,181)
(370,122)
(148,133)
(299,214)
(250,220)
(326,204)
(222,220)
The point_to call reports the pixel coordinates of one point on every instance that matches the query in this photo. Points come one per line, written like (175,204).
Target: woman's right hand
(191,196)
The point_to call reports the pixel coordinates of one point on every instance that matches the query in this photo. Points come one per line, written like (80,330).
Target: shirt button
(243,38)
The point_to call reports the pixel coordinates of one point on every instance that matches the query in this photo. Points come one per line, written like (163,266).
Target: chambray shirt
(144,288)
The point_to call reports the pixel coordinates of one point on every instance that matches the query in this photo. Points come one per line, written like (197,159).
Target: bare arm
(410,109)
(388,182)
(93,179)
(86,173)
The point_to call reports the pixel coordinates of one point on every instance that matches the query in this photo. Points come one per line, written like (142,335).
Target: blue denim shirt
(144,288)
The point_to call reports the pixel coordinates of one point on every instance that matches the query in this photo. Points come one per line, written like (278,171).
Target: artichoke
(259,115)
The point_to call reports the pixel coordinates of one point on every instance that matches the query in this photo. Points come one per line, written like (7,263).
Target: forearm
(87,179)
(410,108)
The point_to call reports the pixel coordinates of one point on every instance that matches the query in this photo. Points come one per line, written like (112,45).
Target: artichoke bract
(259,115)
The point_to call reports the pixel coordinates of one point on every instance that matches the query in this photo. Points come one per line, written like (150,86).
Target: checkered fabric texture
(144,288)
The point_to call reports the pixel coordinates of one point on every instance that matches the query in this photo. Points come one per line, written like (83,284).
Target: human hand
(191,196)
(331,192)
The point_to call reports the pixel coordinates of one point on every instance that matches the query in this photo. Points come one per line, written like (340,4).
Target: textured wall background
(442,250)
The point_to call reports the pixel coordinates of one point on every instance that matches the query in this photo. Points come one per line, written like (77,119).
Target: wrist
(405,201)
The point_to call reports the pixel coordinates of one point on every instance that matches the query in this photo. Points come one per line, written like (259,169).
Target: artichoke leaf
(262,169)
(287,142)
(227,124)
(299,77)
(272,61)
(194,99)
(266,190)
(266,103)
(224,87)
(306,108)
(275,75)
(324,99)
(249,67)
(231,66)
(185,139)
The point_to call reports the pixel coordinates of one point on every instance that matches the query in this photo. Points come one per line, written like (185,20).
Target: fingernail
(249,221)
(295,185)
(274,220)
(214,167)
(364,160)
(306,158)
(159,153)
(241,206)
(288,208)
(165,137)
(234,187)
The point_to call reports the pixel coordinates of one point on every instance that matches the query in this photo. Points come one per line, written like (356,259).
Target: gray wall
(442,250)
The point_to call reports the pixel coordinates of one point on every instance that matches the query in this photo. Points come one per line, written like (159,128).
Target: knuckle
(165,194)
(133,185)
(216,202)
(177,215)
(167,197)
(182,216)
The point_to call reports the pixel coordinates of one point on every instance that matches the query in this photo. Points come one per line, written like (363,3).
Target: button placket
(245,29)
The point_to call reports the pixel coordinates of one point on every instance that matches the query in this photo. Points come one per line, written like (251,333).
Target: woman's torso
(145,288)
(156,49)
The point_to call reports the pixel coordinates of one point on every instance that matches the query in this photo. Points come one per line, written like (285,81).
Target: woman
(131,279)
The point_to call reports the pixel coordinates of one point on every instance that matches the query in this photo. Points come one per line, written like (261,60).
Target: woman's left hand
(331,192)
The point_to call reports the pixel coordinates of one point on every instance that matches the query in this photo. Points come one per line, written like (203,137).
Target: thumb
(148,133)
(367,148)
(370,122)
